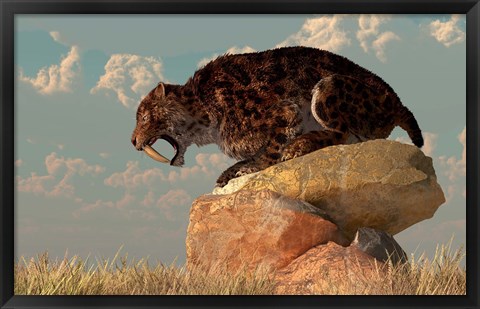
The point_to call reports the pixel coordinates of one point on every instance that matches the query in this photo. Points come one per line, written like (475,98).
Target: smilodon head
(159,116)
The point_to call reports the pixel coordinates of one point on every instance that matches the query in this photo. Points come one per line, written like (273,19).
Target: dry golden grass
(441,276)
(119,277)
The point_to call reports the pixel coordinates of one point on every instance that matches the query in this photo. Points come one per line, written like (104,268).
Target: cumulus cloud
(448,33)
(456,167)
(57,37)
(369,26)
(240,50)
(146,193)
(90,207)
(104,155)
(232,50)
(129,77)
(370,37)
(133,177)
(430,142)
(323,32)
(35,184)
(171,201)
(379,45)
(56,78)
(141,187)
(453,167)
(207,164)
(126,200)
(146,187)
(58,182)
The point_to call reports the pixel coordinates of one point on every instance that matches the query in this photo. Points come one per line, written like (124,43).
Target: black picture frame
(9,8)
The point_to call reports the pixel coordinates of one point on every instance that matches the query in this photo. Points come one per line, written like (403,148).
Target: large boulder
(382,184)
(255,230)
(323,223)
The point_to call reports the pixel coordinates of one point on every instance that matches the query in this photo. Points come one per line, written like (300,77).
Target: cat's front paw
(224,178)
(237,170)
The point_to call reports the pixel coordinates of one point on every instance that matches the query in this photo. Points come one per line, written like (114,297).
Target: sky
(81,187)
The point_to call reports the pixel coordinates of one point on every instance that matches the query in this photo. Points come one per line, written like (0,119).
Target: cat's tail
(405,119)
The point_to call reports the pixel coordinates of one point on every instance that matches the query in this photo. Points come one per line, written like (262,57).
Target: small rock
(380,245)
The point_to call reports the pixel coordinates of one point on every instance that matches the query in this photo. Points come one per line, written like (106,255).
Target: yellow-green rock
(380,184)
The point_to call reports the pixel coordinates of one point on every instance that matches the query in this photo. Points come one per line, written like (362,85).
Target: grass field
(442,275)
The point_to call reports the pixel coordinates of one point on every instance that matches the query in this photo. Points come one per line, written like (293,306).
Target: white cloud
(104,155)
(90,207)
(133,177)
(369,27)
(369,34)
(430,142)
(57,37)
(35,184)
(130,77)
(232,50)
(145,187)
(147,193)
(453,168)
(380,43)
(451,192)
(321,32)
(59,179)
(448,33)
(144,193)
(456,167)
(240,50)
(126,201)
(173,200)
(404,140)
(148,199)
(56,78)
(210,165)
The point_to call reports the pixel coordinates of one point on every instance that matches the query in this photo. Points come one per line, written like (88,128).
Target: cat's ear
(160,91)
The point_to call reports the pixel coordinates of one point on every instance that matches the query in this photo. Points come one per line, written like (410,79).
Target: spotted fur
(267,107)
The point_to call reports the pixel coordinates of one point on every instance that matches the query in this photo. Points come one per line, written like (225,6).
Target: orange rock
(329,269)
(253,229)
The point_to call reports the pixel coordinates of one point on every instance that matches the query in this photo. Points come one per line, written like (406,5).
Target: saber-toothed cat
(266,107)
